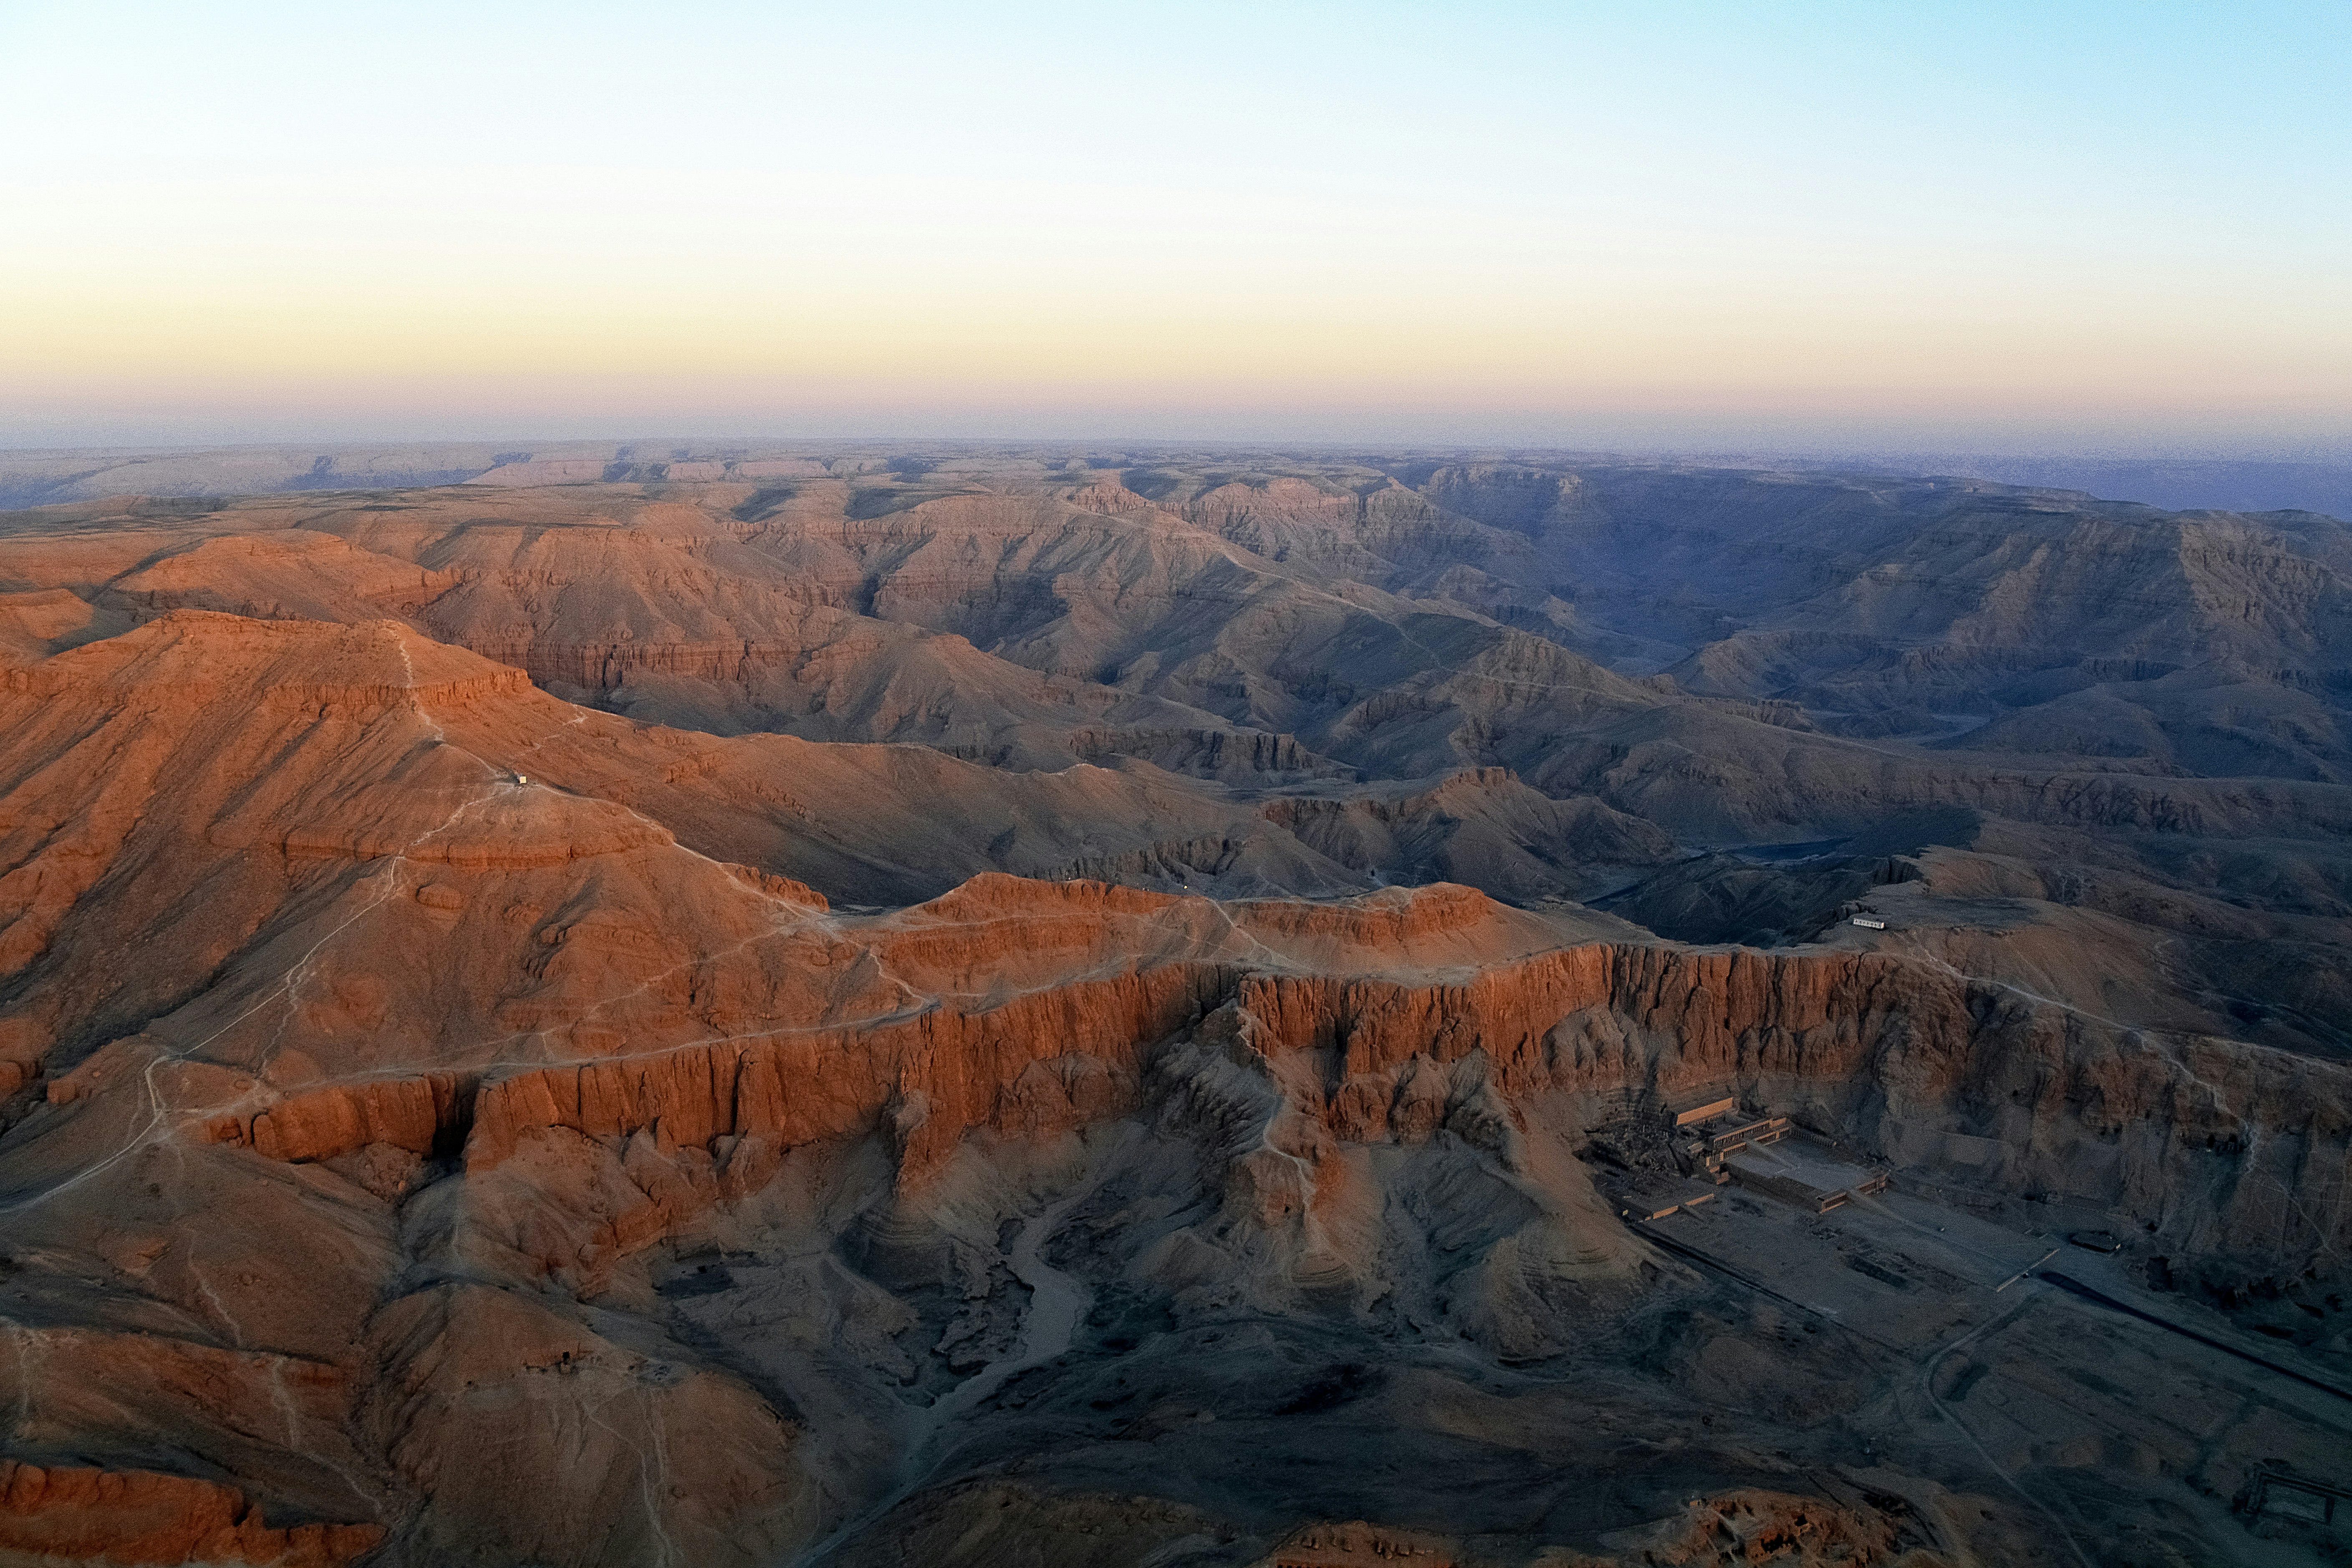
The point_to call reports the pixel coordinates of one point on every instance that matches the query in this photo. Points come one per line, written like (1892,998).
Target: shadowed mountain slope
(998,1009)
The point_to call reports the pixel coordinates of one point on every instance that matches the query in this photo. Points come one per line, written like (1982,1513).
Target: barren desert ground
(978,1005)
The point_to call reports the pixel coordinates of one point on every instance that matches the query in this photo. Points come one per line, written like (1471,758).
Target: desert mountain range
(876,1006)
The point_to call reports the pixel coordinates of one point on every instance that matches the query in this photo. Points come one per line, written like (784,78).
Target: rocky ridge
(457,1124)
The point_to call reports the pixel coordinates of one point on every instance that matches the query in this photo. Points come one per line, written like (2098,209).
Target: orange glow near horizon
(436,247)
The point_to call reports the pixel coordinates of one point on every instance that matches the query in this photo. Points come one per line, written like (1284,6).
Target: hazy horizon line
(2304,457)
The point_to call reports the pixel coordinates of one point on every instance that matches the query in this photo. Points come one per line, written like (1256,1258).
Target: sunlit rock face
(1111,1008)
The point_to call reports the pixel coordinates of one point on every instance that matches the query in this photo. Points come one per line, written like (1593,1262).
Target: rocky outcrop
(1742,1528)
(433,1104)
(936,1075)
(603,666)
(475,1376)
(124,1517)
(1863,1042)
(1211,753)
(423,1115)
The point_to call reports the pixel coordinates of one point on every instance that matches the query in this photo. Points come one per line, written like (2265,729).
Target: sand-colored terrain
(986,1008)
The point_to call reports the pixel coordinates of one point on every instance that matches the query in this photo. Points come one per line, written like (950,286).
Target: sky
(2050,227)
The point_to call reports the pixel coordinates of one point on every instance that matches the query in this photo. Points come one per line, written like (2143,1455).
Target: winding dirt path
(1057,1305)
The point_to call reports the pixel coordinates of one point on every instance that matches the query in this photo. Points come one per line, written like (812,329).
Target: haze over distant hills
(2227,484)
(893,1003)
(31,477)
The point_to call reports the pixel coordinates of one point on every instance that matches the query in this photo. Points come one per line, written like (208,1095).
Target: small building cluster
(1723,1150)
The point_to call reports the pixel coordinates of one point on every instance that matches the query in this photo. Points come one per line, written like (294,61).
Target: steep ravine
(1058,1305)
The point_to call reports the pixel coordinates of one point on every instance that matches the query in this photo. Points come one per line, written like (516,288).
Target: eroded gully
(1057,1305)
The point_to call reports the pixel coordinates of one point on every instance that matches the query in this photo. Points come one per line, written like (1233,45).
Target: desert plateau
(969,1005)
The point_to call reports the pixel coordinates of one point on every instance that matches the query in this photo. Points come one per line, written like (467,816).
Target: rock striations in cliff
(1044,1015)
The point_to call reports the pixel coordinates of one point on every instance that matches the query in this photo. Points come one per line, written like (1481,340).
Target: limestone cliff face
(418,1115)
(1890,1047)
(936,1075)
(127,1517)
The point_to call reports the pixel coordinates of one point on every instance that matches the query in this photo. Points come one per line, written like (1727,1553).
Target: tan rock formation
(136,1517)
(472,1126)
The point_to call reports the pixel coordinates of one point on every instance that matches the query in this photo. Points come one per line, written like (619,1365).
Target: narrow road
(1927,1386)
(2101,1297)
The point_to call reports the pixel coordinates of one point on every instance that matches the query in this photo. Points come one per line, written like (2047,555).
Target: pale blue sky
(2099,226)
